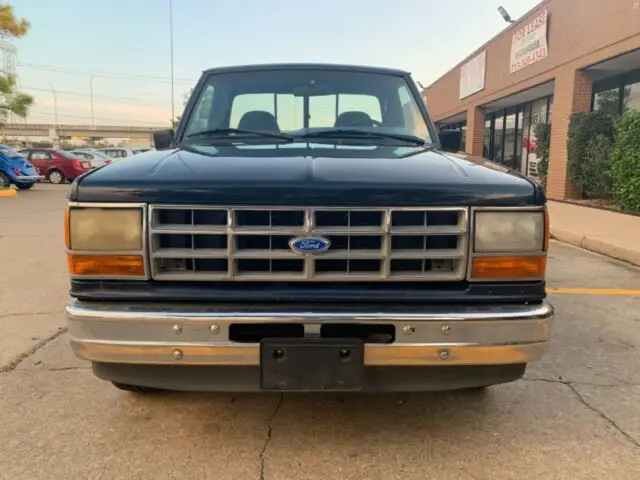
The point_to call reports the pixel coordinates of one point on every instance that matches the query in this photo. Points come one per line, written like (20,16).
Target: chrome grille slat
(202,243)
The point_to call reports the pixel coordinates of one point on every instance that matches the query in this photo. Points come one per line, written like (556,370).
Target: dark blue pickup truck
(306,229)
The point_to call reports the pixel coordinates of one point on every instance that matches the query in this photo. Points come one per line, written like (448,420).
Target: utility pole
(93,122)
(55,115)
(173,106)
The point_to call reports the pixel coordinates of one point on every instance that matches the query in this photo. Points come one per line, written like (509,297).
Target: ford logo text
(309,244)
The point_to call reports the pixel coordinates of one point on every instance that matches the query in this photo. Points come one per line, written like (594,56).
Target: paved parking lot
(576,415)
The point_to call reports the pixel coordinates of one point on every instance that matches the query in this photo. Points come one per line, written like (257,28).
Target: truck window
(411,113)
(323,109)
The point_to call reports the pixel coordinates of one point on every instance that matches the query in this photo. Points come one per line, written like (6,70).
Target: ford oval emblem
(309,244)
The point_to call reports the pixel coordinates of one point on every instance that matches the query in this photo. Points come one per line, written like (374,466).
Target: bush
(543,139)
(625,162)
(590,143)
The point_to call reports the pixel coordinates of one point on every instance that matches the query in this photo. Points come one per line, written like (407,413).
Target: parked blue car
(16,170)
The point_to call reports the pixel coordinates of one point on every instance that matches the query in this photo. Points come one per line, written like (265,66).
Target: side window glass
(202,112)
(411,114)
(40,156)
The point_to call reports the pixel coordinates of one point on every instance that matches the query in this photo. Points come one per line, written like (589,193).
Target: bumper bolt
(177,329)
(177,354)
(444,354)
(408,329)
(445,329)
(214,329)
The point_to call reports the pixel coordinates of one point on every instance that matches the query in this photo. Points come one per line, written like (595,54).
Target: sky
(121,48)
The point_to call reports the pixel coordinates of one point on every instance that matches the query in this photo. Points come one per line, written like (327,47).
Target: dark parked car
(305,229)
(57,166)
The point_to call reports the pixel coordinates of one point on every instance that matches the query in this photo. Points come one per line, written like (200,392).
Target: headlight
(105,242)
(105,229)
(508,232)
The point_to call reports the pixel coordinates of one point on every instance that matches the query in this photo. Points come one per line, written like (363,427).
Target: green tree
(12,101)
(10,26)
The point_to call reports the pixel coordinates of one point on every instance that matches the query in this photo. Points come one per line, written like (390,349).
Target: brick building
(564,56)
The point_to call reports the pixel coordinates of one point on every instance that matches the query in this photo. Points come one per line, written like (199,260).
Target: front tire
(56,177)
(24,186)
(138,389)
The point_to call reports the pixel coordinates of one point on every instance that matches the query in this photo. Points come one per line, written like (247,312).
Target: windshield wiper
(215,132)
(347,132)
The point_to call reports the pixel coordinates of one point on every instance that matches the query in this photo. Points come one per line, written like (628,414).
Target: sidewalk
(609,233)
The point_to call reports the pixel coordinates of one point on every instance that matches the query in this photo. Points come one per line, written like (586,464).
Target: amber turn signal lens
(504,268)
(106,265)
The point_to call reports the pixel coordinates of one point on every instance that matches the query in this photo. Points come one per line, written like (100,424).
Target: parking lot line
(594,291)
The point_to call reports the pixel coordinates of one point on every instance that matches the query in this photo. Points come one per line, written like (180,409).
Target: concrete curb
(7,192)
(597,246)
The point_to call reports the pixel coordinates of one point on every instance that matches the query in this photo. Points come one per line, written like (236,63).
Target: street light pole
(55,112)
(173,116)
(93,122)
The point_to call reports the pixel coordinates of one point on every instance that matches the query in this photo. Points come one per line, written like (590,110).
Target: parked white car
(117,152)
(97,159)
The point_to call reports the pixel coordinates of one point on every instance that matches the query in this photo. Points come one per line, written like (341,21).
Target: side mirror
(451,140)
(163,139)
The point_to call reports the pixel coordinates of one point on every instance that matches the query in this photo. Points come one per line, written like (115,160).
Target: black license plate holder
(311,364)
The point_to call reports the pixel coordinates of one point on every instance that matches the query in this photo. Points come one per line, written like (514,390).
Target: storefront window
(498,137)
(631,98)
(539,114)
(509,159)
(607,101)
(523,124)
(487,139)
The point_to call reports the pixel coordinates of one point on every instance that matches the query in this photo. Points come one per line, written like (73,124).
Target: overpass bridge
(56,131)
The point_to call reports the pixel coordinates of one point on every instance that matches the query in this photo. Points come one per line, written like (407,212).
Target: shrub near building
(625,162)
(590,144)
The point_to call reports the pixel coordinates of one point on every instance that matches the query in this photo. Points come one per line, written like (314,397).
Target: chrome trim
(145,242)
(309,228)
(472,254)
(481,335)
(28,178)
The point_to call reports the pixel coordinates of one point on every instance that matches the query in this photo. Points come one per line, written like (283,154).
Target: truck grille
(252,243)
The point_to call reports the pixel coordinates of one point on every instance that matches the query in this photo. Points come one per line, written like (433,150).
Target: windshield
(331,106)
(66,154)
(9,152)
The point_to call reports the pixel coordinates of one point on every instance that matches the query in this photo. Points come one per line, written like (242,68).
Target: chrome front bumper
(28,178)
(199,335)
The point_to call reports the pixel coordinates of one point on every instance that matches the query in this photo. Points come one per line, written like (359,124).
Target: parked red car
(57,166)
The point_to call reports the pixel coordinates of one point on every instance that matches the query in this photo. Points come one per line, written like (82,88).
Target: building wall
(580,33)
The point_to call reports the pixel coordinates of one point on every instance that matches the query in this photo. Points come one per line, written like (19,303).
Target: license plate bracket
(311,364)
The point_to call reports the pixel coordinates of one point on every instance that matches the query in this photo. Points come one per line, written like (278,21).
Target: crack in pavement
(621,383)
(584,401)
(268,437)
(24,355)
(24,314)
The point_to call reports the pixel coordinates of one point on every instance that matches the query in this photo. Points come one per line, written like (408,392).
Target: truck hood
(429,177)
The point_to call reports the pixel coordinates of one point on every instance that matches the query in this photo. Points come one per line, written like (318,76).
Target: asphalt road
(576,415)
